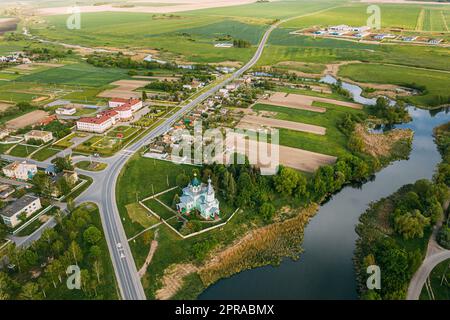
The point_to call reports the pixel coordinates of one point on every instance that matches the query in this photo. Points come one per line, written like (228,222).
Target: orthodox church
(201,197)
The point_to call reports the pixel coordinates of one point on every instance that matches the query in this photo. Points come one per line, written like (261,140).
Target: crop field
(285,47)
(435,82)
(45,153)
(432,20)
(80,74)
(271,10)
(22,150)
(192,37)
(334,142)
(392,16)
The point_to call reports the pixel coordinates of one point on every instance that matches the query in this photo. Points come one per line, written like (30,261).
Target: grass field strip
(420,18)
(444,20)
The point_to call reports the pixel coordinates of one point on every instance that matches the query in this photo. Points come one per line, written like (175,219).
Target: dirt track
(255,122)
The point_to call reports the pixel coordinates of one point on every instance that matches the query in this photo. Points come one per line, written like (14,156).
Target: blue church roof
(195,182)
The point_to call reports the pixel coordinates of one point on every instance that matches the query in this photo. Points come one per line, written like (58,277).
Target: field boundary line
(420,18)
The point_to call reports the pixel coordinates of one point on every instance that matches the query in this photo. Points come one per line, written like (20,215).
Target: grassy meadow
(334,142)
(436,82)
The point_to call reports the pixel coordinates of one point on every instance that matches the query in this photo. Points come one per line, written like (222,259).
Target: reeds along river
(325,269)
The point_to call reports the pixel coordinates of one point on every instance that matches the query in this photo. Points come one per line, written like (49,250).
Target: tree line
(40,270)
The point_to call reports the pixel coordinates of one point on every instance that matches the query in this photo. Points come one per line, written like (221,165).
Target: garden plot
(299,159)
(258,122)
(302,102)
(124,89)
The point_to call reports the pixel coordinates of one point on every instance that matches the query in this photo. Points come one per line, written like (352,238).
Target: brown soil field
(303,102)
(249,121)
(125,89)
(28,119)
(5,106)
(299,159)
(8,24)
(293,101)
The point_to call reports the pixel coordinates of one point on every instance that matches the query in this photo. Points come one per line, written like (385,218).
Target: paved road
(418,281)
(435,255)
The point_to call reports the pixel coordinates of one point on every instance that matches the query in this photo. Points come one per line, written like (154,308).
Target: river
(325,268)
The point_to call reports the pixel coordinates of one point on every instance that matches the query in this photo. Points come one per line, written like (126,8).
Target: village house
(26,205)
(201,197)
(20,170)
(44,136)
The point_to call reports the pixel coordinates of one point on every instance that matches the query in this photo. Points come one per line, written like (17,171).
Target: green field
(435,82)
(22,151)
(136,170)
(78,74)
(288,47)
(271,10)
(334,142)
(432,20)
(110,143)
(45,153)
(392,16)
(190,36)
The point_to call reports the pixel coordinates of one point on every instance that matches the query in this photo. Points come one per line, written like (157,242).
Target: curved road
(418,281)
(102,191)
(435,255)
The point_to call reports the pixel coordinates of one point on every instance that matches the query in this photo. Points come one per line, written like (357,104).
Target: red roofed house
(122,110)
(135,104)
(100,123)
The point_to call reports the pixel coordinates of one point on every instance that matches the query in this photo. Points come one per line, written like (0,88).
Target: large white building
(20,170)
(26,205)
(98,124)
(121,110)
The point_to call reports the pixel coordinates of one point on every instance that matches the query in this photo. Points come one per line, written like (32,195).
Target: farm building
(20,170)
